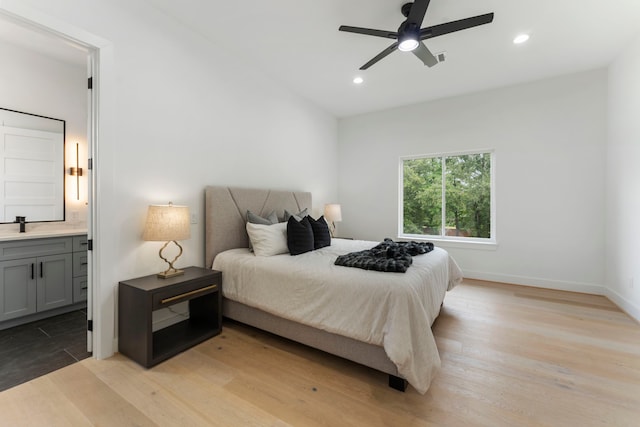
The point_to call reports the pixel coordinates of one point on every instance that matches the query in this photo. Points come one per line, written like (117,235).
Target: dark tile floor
(37,348)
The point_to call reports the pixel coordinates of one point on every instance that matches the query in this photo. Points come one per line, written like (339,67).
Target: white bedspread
(393,310)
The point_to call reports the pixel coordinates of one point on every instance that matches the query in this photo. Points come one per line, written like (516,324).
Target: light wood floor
(511,356)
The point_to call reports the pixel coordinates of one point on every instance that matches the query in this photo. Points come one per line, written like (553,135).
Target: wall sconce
(333,214)
(77,171)
(168,223)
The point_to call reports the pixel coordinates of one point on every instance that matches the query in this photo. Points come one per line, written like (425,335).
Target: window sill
(482,245)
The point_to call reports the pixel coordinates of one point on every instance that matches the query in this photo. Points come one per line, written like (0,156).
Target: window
(449,196)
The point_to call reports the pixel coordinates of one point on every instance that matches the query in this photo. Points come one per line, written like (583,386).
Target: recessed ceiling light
(521,38)
(358,80)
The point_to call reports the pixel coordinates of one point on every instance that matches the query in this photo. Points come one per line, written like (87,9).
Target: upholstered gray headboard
(226,210)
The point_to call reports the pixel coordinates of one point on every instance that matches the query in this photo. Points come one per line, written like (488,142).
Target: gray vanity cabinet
(17,288)
(54,281)
(80,263)
(36,275)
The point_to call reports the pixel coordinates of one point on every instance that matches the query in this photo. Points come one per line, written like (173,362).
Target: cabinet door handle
(32,272)
(41,270)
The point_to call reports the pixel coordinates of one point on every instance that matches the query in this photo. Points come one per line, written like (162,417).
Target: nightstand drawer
(183,293)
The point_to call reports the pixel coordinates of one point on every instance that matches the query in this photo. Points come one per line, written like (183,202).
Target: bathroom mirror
(31,167)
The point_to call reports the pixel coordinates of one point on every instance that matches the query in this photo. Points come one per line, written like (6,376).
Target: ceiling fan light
(521,38)
(407,45)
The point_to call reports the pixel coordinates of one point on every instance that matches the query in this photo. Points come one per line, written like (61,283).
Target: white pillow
(268,240)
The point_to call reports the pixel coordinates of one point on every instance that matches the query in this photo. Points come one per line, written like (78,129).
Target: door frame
(101,188)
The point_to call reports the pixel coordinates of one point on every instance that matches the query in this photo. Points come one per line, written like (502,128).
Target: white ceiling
(297,43)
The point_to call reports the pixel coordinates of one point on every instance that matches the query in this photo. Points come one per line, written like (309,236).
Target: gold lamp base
(171,271)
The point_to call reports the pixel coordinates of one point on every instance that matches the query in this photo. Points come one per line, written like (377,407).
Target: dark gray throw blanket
(388,256)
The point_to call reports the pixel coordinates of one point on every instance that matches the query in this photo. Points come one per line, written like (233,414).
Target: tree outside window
(447,195)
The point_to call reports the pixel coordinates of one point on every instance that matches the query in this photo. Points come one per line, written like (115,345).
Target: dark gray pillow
(298,216)
(299,236)
(272,218)
(321,235)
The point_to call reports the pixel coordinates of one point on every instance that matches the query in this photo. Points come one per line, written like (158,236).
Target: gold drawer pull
(186,294)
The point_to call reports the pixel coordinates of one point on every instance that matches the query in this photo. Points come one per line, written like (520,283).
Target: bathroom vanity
(43,254)
(41,275)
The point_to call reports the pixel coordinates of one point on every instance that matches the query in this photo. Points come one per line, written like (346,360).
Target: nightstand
(138,298)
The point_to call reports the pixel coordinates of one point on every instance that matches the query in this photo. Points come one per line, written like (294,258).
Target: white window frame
(452,241)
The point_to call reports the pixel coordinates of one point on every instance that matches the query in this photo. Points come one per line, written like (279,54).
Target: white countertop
(39,233)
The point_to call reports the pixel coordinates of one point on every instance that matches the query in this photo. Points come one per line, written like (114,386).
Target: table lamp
(333,214)
(167,223)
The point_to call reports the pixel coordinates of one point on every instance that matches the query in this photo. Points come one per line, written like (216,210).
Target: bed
(306,298)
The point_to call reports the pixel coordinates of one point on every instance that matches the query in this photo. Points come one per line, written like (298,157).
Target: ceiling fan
(409,35)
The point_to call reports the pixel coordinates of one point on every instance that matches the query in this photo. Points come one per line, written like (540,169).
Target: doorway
(67,41)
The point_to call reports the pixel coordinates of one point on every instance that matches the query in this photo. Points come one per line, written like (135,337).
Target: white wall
(181,114)
(549,140)
(34,83)
(623,181)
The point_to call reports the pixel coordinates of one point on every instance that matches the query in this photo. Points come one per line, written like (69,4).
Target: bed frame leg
(397,383)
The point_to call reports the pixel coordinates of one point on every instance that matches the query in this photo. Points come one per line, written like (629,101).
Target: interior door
(91,212)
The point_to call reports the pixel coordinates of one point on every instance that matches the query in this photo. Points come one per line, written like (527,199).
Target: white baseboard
(562,285)
(625,305)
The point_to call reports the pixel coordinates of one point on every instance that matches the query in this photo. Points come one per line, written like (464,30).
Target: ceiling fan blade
(417,12)
(369,32)
(425,55)
(379,56)
(453,26)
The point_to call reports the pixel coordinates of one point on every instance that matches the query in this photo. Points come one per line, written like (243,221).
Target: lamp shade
(333,212)
(167,222)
